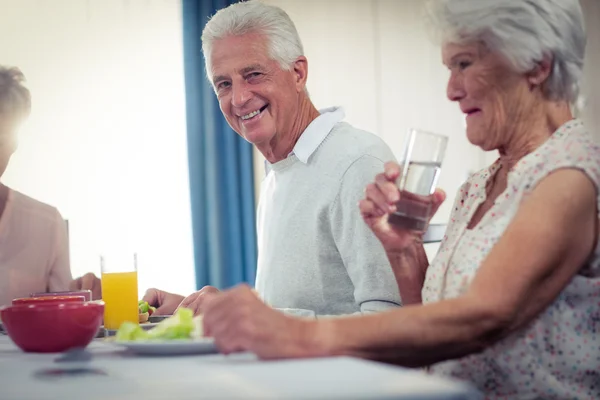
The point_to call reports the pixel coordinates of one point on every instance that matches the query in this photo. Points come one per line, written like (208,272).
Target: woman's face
(8,141)
(494,98)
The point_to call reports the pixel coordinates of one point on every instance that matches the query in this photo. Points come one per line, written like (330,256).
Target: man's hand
(88,281)
(195,301)
(240,321)
(166,303)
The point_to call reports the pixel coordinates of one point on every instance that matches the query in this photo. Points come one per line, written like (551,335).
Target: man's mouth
(254,113)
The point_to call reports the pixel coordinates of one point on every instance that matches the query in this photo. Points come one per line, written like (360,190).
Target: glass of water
(423,156)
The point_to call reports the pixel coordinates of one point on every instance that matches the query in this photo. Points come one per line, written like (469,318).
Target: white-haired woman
(511,303)
(33,238)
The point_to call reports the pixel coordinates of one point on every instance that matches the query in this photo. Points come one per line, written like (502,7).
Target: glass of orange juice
(119,289)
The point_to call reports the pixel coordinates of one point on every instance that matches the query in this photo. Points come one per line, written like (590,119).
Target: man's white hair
(524,32)
(254,17)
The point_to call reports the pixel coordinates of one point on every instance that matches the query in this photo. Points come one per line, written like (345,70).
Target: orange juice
(120,296)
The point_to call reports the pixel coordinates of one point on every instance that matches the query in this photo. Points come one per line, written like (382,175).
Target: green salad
(182,325)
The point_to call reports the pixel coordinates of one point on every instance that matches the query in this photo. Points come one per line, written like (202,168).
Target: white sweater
(316,256)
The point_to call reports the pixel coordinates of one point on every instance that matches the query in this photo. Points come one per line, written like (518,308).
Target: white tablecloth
(113,374)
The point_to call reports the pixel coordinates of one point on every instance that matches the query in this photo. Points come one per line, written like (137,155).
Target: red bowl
(48,300)
(52,327)
(85,293)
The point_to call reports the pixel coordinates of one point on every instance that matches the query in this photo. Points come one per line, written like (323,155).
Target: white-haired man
(315,254)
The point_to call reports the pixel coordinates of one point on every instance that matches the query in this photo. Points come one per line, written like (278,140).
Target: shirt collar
(314,134)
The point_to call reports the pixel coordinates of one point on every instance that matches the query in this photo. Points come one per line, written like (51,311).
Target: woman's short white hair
(524,32)
(15,99)
(255,17)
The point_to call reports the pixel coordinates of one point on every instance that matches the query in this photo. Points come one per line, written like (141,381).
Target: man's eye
(223,85)
(253,75)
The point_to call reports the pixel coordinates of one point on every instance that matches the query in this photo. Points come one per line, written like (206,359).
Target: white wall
(106,142)
(591,78)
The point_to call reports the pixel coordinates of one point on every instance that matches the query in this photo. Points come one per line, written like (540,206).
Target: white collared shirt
(316,256)
(314,134)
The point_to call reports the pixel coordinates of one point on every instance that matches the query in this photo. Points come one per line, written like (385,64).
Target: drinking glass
(421,166)
(119,288)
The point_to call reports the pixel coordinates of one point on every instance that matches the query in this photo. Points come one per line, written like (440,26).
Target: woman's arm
(404,247)
(548,241)
(59,274)
(409,268)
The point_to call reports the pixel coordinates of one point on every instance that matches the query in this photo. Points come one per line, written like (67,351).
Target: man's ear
(540,73)
(300,73)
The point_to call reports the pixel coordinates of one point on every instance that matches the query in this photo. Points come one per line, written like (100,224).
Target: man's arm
(409,268)
(367,265)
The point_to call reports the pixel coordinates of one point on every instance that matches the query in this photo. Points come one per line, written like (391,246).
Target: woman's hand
(381,199)
(239,321)
(90,282)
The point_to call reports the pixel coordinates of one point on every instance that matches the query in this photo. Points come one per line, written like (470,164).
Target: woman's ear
(540,73)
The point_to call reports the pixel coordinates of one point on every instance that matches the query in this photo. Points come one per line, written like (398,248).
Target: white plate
(145,326)
(171,347)
(112,332)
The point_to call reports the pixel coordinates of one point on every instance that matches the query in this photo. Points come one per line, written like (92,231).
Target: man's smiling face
(258,98)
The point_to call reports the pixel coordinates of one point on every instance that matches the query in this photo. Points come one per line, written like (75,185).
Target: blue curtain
(220,162)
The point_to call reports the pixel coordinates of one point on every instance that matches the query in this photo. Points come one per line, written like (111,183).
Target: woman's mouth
(473,112)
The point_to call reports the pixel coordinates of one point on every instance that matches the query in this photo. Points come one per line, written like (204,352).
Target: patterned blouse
(558,355)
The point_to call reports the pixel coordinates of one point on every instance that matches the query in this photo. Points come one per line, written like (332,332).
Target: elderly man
(315,254)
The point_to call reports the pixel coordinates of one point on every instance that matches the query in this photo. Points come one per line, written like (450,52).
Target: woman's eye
(463,64)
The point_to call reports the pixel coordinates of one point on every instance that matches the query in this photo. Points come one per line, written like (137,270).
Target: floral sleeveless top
(558,355)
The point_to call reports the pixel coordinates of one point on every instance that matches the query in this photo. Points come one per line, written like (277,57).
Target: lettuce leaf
(179,326)
(182,325)
(129,331)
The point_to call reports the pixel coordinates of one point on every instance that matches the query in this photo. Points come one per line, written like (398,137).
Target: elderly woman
(511,301)
(33,239)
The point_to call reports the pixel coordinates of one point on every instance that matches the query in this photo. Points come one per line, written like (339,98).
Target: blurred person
(34,254)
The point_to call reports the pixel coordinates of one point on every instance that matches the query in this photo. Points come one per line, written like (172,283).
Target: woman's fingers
(388,188)
(376,196)
(392,171)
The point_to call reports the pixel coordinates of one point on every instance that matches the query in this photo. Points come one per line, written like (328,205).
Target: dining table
(107,371)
